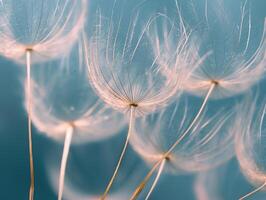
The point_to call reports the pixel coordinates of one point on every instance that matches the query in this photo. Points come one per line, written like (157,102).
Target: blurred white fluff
(206,185)
(125,184)
(250,143)
(62,97)
(63,105)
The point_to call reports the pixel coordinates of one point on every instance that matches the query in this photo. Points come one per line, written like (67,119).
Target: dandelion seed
(58,113)
(186,54)
(237,75)
(124,79)
(233,66)
(208,144)
(249,143)
(45,29)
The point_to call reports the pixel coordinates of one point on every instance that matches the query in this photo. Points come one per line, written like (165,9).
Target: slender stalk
(148,176)
(253,192)
(156,179)
(145,181)
(130,128)
(203,105)
(68,138)
(28,64)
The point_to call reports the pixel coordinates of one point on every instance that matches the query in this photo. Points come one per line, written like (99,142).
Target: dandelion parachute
(119,78)
(35,31)
(57,112)
(208,144)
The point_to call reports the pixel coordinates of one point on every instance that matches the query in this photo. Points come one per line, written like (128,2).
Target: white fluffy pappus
(250,145)
(46,29)
(159,139)
(124,78)
(64,106)
(231,62)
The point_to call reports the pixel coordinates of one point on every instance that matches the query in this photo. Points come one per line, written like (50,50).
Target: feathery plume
(234,65)
(249,142)
(75,112)
(208,144)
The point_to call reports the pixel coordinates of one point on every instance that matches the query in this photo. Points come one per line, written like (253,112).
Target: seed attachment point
(167,158)
(29,49)
(215,82)
(133,105)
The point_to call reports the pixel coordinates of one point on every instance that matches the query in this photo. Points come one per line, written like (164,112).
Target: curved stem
(28,65)
(68,138)
(156,179)
(130,128)
(148,176)
(253,192)
(203,105)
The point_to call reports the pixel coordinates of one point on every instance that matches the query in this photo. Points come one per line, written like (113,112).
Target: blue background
(90,165)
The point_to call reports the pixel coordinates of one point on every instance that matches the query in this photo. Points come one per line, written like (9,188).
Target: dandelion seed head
(62,99)
(209,144)
(47,28)
(227,58)
(122,76)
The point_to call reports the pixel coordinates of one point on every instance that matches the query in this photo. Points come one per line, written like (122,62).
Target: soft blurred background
(91,165)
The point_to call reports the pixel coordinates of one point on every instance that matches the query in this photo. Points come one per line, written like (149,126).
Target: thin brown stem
(68,138)
(130,128)
(145,181)
(156,179)
(203,105)
(28,63)
(253,192)
(167,154)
